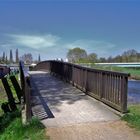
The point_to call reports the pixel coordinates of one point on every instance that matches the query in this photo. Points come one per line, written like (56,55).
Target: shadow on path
(58,103)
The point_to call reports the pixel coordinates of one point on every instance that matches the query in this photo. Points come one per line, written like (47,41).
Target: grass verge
(3,96)
(11,128)
(135,73)
(133,117)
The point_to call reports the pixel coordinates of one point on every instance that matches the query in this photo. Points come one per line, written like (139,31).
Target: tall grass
(133,117)
(12,128)
(135,73)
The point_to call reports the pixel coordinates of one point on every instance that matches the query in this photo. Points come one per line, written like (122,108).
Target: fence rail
(107,86)
(26,90)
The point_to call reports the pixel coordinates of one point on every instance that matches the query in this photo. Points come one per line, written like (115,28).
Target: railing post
(124,95)
(86,78)
(25,100)
(102,85)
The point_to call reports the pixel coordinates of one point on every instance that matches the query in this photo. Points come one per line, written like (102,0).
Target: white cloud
(52,46)
(102,48)
(34,41)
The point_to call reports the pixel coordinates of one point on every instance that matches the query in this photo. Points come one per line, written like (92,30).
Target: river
(133,91)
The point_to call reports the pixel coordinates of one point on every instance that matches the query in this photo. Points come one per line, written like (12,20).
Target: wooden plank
(17,87)
(11,99)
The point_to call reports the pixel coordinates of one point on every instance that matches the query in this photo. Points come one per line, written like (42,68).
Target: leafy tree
(92,57)
(102,60)
(75,54)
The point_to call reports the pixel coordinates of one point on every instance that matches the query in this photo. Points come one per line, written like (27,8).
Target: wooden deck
(59,104)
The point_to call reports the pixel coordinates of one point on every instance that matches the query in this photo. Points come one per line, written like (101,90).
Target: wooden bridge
(63,93)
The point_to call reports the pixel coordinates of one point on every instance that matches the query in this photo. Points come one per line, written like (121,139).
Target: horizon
(51,28)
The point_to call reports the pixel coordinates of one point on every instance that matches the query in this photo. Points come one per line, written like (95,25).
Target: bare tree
(27,58)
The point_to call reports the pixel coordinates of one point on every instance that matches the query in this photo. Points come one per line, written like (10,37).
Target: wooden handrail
(26,90)
(107,86)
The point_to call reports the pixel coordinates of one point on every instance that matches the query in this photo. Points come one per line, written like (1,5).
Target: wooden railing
(106,86)
(26,90)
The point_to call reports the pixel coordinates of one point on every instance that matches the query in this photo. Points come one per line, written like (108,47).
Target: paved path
(67,112)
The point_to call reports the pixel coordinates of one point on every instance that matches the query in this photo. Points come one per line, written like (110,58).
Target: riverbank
(133,116)
(11,127)
(134,72)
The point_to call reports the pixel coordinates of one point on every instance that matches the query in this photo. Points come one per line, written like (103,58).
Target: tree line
(78,55)
(27,58)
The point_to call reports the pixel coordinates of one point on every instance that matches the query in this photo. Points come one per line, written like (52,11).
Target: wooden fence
(106,86)
(26,90)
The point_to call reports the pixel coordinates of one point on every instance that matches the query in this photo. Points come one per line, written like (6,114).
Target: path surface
(69,114)
(114,130)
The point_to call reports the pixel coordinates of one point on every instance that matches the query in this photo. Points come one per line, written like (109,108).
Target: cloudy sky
(52,27)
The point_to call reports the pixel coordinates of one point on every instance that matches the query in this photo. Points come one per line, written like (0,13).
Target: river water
(133,91)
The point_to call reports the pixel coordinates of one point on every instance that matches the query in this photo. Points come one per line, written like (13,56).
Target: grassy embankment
(133,117)
(135,73)
(11,127)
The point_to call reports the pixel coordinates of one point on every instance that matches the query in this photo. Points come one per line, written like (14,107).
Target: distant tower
(39,59)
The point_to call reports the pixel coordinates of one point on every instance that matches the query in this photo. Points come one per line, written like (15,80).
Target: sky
(52,27)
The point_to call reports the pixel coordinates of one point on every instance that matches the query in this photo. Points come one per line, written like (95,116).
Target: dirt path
(113,130)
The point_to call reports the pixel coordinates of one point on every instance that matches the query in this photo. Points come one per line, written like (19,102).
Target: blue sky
(52,27)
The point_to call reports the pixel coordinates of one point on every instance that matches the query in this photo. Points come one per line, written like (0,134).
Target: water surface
(133,91)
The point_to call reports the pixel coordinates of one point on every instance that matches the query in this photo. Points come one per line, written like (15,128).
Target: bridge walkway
(70,114)
(58,103)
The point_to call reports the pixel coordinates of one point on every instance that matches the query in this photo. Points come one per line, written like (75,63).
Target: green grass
(12,128)
(133,117)
(135,73)
(3,96)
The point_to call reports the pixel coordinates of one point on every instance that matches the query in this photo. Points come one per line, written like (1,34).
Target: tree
(6,60)
(130,56)
(39,59)
(17,57)
(92,57)
(11,56)
(27,58)
(102,60)
(110,59)
(3,57)
(75,54)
